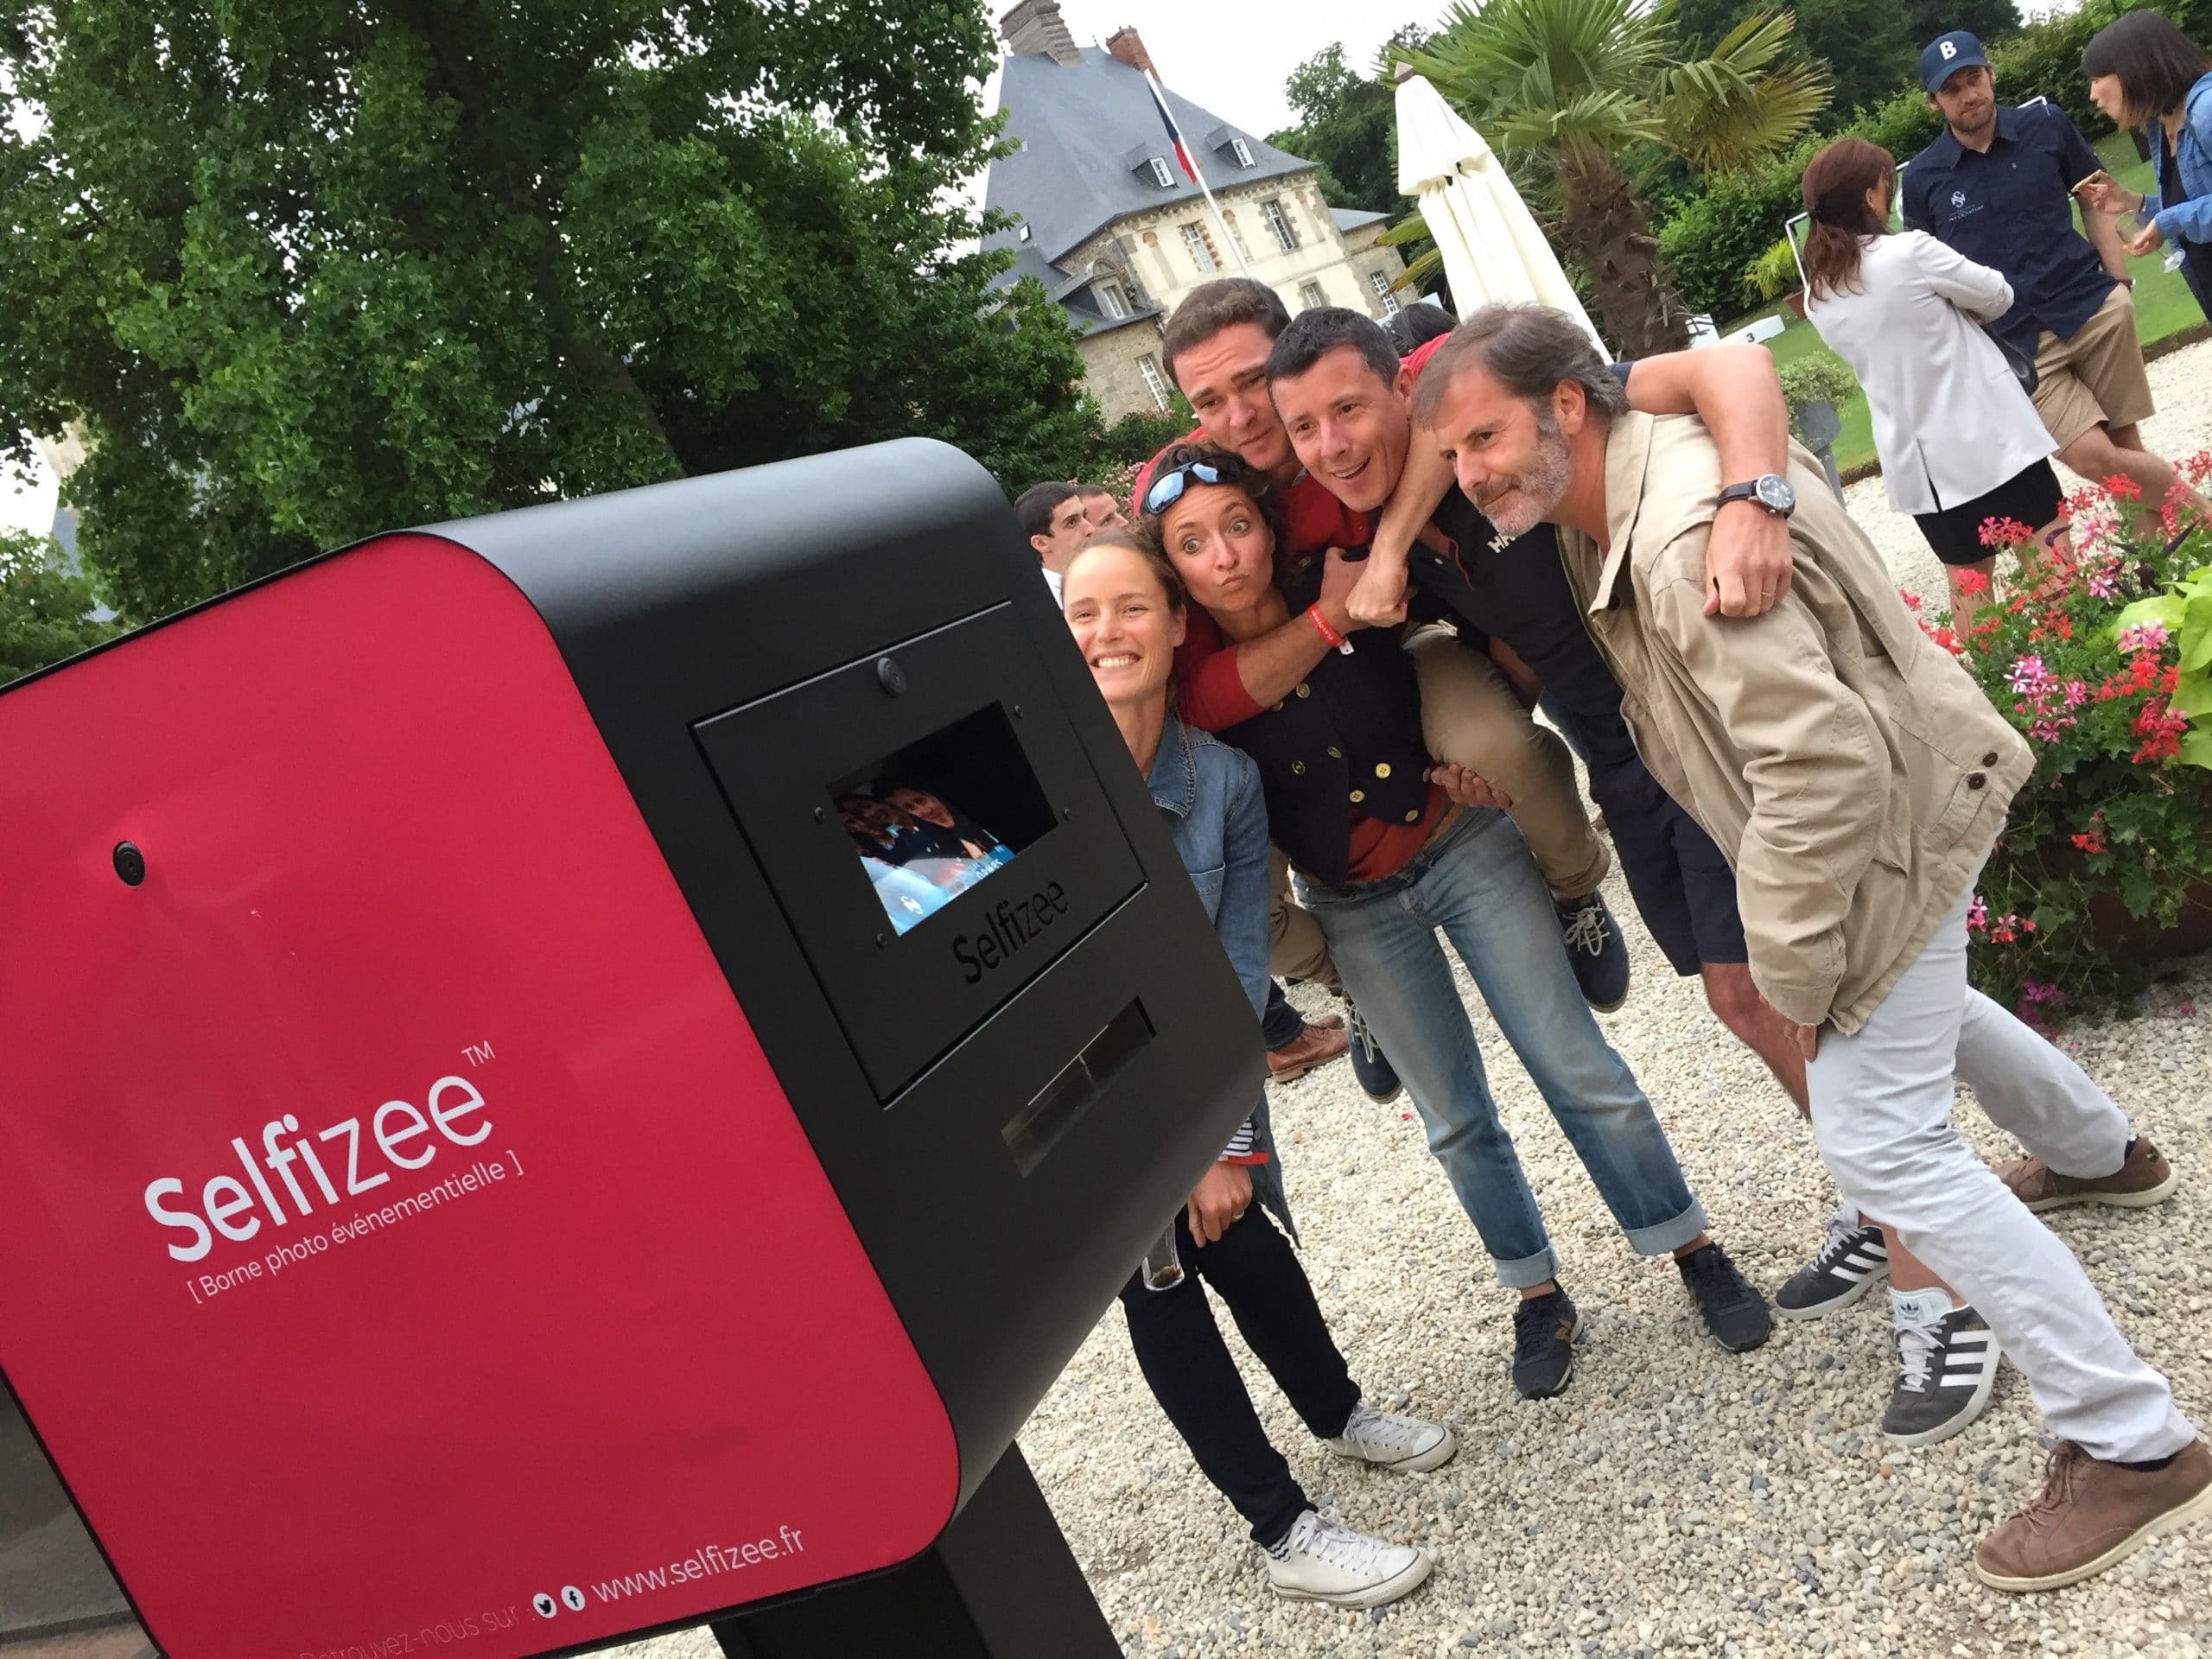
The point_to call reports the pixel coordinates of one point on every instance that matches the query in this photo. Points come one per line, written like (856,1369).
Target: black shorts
(2032,497)
(1682,886)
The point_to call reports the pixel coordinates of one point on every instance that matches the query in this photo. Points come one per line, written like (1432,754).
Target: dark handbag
(2022,365)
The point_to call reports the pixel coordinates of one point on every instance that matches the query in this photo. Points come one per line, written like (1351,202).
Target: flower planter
(2116,929)
(1796,303)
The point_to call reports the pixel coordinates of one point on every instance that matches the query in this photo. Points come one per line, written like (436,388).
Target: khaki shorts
(2096,377)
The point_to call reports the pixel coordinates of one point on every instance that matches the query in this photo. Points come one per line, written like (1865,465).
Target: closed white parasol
(1491,247)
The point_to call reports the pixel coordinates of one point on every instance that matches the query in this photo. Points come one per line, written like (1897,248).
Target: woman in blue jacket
(2144,72)
(1125,605)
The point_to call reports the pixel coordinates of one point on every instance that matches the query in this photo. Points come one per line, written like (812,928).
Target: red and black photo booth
(488,1167)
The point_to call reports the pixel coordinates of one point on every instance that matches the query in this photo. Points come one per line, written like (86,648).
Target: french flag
(1174,136)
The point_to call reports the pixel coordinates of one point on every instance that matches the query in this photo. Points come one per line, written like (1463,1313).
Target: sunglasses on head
(1168,489)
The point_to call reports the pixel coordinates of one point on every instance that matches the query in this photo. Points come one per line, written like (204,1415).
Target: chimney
(1126,46)
(1035,26)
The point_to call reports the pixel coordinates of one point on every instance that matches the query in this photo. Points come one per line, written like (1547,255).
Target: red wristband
(1321,627)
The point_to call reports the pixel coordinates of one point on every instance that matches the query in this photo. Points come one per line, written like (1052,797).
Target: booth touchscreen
(940,815)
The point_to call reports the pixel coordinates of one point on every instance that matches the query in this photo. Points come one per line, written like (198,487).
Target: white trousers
(1881,1102)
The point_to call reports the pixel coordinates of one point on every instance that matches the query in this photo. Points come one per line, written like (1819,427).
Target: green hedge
(1714,237)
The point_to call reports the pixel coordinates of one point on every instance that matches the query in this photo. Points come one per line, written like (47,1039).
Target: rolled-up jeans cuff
(1529,1271)
(1664,1235)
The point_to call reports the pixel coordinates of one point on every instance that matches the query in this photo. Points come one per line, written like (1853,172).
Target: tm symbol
(477,1054)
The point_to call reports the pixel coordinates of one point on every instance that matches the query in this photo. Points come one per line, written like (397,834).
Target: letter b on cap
(1949,49)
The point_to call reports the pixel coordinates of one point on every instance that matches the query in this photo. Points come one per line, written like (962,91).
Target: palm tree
(1567,89)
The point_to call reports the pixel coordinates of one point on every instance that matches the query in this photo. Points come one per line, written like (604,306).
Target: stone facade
(1116,233)
(1324,268)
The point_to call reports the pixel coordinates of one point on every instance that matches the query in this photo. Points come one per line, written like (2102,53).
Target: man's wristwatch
(1767,491)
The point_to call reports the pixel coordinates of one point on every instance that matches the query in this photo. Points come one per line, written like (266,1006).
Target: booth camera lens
(129,863)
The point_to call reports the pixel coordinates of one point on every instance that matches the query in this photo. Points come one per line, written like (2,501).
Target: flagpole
(1160,97)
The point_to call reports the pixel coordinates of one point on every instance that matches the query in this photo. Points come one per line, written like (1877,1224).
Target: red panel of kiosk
(404,1246)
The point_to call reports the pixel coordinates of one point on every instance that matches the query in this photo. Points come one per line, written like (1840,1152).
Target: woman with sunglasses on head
(1389,847)
(1124,605)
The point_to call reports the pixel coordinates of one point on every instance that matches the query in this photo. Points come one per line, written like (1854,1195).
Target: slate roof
(1086,131)
(1347,220)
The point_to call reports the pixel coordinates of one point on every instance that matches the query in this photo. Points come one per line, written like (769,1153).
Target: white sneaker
(1390,1441)
(1326,1560)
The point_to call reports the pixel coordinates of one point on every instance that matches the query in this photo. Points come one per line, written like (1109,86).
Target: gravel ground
(1676,1499)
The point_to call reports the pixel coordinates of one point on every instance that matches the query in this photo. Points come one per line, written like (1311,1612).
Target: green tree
(1348,123)
(1989,21)
(314,268)
(1866,47)
(1565,89)
(44,612)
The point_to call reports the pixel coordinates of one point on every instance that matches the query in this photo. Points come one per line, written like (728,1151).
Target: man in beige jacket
(1856,778)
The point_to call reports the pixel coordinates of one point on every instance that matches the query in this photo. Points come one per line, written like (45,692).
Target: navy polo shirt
(2010,208)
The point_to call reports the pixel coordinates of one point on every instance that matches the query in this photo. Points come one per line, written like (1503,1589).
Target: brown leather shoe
(2091,1516)
(2145,1178)
(1313,1045)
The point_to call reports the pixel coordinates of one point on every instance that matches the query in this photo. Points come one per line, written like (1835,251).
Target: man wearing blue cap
(1998,187)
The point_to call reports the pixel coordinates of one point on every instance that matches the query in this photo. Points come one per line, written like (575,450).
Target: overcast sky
(1233,60)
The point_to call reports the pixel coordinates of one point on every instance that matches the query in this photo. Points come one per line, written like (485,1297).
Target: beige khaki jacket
(1847,767)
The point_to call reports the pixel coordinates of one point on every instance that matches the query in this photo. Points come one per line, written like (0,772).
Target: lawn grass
(2163,306)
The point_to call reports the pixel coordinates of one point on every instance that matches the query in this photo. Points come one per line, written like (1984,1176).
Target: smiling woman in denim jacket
(1125,605)
(2144,72)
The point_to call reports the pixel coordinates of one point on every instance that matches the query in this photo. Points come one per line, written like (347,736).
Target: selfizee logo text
(1008,926)
(355,1160)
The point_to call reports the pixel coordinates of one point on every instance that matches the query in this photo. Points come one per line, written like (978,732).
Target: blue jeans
(1478,883)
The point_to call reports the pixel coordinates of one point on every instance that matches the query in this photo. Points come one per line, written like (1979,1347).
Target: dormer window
(1111,300)
(1160,175)
(1025,233)
(1242,150)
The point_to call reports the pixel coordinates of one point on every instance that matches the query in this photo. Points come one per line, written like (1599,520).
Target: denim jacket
(2184,212)
(1209,796)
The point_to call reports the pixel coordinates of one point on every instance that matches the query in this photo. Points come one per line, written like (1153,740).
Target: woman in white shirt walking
(1960,442)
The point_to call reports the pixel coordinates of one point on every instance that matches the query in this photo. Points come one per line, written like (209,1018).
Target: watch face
(1775,494)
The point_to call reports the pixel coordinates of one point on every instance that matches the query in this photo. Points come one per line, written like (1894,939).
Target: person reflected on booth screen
(1857,777)
(1960,442)
(1126,608)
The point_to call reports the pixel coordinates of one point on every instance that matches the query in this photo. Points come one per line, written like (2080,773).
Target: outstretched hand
(2100,192)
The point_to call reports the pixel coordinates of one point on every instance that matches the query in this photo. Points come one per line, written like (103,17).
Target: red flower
(2092,842)
(1971,581)
(2004,532)
(2124,487)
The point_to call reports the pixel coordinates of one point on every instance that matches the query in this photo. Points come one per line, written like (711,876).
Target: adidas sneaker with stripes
(1850,1262)
(1946,1368)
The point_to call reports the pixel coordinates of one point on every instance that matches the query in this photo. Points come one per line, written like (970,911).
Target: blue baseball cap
(1947,55)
